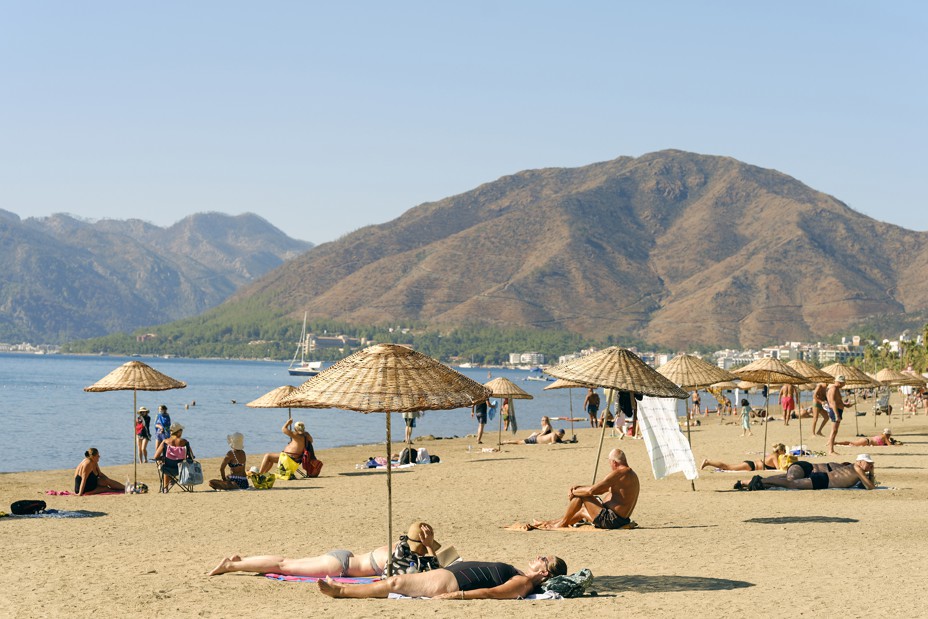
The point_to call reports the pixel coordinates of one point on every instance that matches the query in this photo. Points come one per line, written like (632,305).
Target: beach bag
(405,561)
(572,586)
(27,507)
(263,481)
(422,456)
(190,473)
(312,466)
(408,456)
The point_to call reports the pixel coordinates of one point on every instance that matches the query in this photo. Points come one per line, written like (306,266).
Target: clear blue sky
(325,117)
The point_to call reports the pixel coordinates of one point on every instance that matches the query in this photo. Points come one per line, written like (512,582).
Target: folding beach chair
(178,453)
(881,405)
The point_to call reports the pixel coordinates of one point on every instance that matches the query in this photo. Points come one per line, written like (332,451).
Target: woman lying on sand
(770,463)
(333,563)
(465,580)
(880,440)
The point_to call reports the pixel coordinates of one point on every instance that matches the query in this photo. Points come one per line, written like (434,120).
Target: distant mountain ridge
(64,278)
(672,247)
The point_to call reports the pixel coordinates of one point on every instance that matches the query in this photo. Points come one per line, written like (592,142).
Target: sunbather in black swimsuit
(472,575)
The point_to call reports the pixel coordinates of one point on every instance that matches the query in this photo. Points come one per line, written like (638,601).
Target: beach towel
(667,446)
(361,580)
(547,595)
(60,513)
(69,493)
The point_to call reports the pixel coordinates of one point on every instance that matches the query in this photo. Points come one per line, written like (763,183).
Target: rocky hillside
(62,278)
(672,247)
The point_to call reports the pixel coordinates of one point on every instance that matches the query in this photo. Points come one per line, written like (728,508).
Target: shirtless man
(788,400)
(819,400)
(536,438)
(608,504)
(859,474)
(292,455)
(591,405)
(835,409)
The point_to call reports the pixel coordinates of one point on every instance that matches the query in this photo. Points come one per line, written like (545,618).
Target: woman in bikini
(333,563)
(89,479)
(770,463)
(880,440)
(235,460)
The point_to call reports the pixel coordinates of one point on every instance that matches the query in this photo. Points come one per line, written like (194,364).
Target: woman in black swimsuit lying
(465,580)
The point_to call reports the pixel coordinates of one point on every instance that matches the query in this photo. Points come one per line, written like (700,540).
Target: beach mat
(345,580)
(524,527)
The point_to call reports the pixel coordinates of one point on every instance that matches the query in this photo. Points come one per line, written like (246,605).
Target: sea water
(47,420)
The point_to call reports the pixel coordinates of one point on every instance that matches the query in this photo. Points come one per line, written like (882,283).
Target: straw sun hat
(236,441)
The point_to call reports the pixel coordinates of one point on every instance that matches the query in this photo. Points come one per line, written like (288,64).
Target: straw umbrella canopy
(136,376)
(276,398)
(570,385)
(619,369)
(691,372)
(919,379)
(895,378)
(388,378)
(725,384)
(502,387)
(769,371)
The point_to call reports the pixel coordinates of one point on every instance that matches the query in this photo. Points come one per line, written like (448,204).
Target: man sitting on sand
(537,438)
(607,504)
(857,475)
(290,459)
(465,580)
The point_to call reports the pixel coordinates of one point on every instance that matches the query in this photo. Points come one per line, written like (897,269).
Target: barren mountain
(63,278)
(673,247)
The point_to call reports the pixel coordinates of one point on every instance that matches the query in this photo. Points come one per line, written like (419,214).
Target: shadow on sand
(664,584)
(802,520)
(382,471)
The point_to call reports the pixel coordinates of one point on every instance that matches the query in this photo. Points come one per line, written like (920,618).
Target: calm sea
(47,421)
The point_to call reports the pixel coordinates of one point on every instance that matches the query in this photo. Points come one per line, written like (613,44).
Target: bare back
(843,477)
(619,490)
(819,395)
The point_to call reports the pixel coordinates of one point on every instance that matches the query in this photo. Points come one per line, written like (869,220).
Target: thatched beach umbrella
(691,373)
(276,398)
(136,376)
(388,378)
(619,369)
(769,371)
(853,379)
(813,375)
(570,385)
(895,378)
(504,388)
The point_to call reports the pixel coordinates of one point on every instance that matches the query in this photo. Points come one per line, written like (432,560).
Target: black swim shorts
(608,519)
(819,481)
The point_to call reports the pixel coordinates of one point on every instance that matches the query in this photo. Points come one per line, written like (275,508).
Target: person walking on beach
(162,426)
(819,400)
(835,410)
(607,504)
(479,411)
(696,410)
(591,406)
(505,414)
(143,433)
(409,418)
(746,417)
(788,402)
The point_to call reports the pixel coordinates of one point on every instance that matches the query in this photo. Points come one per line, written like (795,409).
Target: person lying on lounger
(540,439)
(880,440)
(857,475)
(767,464)
(333,563)
(465,580)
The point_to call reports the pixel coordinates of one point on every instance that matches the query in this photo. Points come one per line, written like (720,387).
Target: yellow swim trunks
(286,466)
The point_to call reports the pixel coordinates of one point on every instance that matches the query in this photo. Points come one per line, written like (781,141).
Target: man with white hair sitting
(289,460)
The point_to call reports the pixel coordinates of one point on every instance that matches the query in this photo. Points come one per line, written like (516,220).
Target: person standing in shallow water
(143,433)
(162,426)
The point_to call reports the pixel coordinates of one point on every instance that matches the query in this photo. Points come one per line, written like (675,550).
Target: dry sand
(714,552)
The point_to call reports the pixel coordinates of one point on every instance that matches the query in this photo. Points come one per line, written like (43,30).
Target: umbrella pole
(499,436)
(766,421)
(389,566)
(135,440)
(602,435)
(856,422)
(570,395)
(689,440)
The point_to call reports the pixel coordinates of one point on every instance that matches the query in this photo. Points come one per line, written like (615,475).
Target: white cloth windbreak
(667,446)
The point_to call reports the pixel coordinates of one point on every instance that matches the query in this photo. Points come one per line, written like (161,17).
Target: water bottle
(470,448)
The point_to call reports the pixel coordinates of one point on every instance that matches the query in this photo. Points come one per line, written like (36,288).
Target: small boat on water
(303,367)
(538,374)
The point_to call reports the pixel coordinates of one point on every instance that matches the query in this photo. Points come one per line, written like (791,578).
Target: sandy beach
(713,552)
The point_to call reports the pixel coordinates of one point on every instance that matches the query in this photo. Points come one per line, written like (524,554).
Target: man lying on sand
(857,475)
(612,510)
(465,580)
(540,439)
(333,563)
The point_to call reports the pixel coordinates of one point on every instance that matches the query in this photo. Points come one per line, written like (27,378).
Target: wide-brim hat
(236,440)
(415,544)
(176,427)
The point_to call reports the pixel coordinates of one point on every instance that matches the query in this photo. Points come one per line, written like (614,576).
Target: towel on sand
(350,581)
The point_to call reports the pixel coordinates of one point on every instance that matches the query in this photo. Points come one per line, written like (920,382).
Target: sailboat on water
(303,367)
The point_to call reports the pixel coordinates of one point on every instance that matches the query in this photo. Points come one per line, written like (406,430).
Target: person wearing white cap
(835,410)
(235,460)
(845,475)
(880,440)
